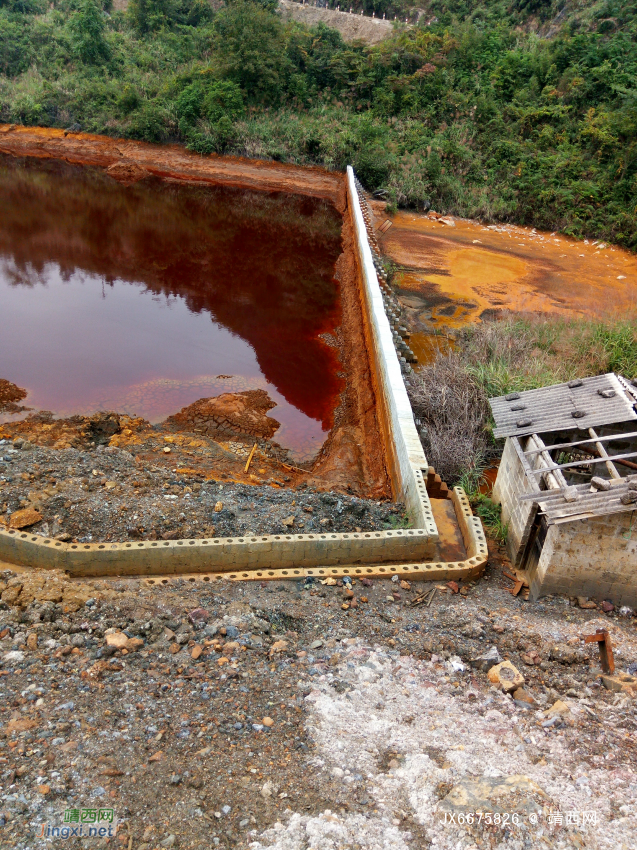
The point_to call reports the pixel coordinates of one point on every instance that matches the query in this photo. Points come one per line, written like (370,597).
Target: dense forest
(517,110)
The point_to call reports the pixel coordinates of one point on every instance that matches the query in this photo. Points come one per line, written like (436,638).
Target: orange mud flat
(129,161)
(453,272)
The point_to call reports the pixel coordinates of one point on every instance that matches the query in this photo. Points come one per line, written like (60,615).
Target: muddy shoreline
(452,273)
(128,162)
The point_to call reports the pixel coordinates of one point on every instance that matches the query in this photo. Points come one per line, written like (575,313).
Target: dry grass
(454,409)
(494,358)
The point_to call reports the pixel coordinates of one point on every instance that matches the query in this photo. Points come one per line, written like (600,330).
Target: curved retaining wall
(377,553)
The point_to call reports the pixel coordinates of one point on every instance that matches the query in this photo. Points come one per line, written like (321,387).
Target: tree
(151,15)
(87,27)
(216,100)
(251,49)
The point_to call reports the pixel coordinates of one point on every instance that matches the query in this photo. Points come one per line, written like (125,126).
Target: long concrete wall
(376,553)
(406,457)
(218,554)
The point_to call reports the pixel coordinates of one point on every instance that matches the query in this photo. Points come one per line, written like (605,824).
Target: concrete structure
(569,493)
(406,458)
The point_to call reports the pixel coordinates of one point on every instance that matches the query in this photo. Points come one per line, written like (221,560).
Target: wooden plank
(587,462)
(249,461)
(524,462)
(585,494)
(517,587)
(555,478)
(602,638)
(603,453)
(607,439)
(613,509)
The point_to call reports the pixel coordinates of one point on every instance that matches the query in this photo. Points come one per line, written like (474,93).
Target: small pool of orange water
(454,274)
(142,299)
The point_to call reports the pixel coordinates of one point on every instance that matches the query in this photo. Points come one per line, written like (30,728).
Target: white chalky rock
(14,656)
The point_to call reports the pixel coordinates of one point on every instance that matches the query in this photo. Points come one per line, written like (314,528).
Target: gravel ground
(108,493)
(306,726)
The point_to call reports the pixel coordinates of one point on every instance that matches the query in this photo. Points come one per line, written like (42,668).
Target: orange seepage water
(451,275)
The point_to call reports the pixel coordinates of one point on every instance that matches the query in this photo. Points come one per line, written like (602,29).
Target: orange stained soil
(129,162)
(451,545)
(452,274)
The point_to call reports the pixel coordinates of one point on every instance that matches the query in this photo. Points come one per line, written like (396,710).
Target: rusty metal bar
(606,659)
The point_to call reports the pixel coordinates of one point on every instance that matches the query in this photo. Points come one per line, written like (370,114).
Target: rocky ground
(281,716)
(161,486)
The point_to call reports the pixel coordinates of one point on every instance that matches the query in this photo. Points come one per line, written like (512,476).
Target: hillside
(516,110)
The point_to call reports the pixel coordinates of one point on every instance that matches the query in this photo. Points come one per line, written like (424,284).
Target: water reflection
(137,298)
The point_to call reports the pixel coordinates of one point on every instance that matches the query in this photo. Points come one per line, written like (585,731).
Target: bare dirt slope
(351,27)
(129,161)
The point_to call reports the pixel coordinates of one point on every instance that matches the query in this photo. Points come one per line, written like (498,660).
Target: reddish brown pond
(145,298)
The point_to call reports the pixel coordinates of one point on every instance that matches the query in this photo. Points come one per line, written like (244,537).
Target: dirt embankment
(10,394)
(355,446)
(351,27)
(130,161)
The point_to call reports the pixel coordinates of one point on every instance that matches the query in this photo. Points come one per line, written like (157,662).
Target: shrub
(87,27)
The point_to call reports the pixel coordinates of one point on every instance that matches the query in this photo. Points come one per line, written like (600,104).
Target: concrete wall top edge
(407,534)
(408,456)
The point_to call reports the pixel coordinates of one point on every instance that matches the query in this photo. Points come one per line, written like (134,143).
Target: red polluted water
(142,299)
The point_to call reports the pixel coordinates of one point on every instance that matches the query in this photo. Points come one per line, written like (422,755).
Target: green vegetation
(396,522)
(522,354)
(491,516)
(474,482)
(520,110)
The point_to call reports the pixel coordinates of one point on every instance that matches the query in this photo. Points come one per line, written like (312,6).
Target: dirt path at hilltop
(353,27)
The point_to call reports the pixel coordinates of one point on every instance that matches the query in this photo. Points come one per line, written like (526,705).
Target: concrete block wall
(512,482)
(471,567)
(590,557)
(405,453)
(216,555)
(409,552)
